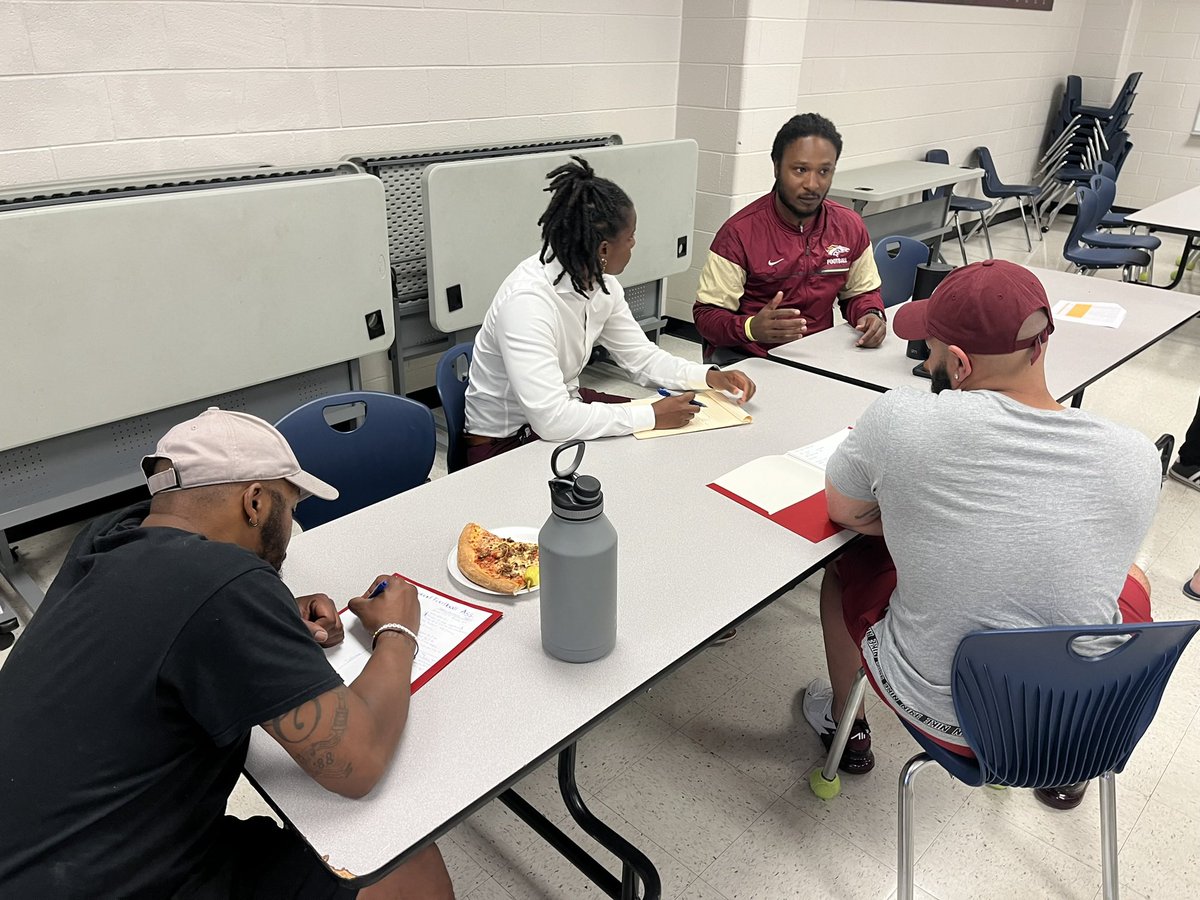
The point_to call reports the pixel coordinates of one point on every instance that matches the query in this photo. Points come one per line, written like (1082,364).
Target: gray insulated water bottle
(577,556)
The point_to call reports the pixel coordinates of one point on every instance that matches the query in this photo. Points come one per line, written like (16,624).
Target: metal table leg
(1190,246)
(636,867)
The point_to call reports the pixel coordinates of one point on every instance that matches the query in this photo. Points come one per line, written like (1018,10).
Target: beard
(939,377)
(793,208)
(274,540)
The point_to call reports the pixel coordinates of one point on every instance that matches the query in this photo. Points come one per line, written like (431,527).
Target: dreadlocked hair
(584,210)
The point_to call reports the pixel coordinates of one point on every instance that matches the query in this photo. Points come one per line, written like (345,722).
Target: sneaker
(857,758)
(1189,475)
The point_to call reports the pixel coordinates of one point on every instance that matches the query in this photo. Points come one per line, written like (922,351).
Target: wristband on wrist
(396,626)
(746,327)
(877,312)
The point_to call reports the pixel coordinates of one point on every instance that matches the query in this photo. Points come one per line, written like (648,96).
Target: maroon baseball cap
(980,308)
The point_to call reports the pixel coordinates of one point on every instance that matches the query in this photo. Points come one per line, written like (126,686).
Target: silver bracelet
(396,626)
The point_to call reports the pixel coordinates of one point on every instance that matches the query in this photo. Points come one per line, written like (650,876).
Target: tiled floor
(707,771)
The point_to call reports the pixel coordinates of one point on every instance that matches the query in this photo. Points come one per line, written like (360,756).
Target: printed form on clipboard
(788,489)
(448,626)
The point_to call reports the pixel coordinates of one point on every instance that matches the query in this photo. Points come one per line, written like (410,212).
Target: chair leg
(905,851)
(962,248)
(825,782)
(1108,835)
(1037,219)
(1025,223)
(987,237)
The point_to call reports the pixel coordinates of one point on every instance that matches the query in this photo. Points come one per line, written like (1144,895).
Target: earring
(603,264)
(254,523)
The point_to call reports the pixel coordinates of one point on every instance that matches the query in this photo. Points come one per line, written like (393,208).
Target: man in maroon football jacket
(776,268)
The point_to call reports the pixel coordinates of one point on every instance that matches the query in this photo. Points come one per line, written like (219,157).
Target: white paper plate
(515,532)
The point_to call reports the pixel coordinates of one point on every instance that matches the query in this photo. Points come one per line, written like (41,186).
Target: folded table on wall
(478,233)
(129,306)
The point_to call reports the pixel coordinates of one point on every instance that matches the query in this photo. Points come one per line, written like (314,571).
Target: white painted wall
(1165,46)
(124,86)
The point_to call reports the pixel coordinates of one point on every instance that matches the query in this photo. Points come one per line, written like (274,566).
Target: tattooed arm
(346,737)
(858,515)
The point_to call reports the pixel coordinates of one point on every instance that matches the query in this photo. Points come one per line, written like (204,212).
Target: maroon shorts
(478,452)
(868,577)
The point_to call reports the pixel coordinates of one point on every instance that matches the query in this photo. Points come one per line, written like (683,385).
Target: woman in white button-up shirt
(551,311)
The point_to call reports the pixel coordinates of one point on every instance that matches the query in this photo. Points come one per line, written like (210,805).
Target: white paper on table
(1106,315)
(444,625)
(818,452)
(773,483)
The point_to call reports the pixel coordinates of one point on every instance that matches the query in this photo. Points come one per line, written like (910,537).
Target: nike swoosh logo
(775,262)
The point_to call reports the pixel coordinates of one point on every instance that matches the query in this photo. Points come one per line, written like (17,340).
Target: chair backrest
(1088,214)
(937,155)
(1106,192)
(1107,169)
(1073,95)
(453,371)
(1037,712)
(991,181)
(1120,154)
(386,450)
(897,258)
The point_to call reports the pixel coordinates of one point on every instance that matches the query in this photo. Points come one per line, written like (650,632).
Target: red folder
(809,518)
(492,618)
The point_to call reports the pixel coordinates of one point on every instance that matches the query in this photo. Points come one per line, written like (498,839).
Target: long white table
(921,219)
(692,563)
(1076,354)
(1176,215)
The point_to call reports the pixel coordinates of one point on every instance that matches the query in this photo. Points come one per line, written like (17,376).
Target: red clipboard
(809,518)
(493,616)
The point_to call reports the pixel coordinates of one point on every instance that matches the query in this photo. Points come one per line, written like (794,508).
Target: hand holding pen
(663,392)
(675,410)
(390,599)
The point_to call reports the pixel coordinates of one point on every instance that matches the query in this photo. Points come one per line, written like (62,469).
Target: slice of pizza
(496,563)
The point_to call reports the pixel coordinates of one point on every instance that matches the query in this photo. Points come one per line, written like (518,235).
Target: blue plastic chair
(1037,713)
(385,451)
(959,205)
(452,378)
(996,189)
(1087,259)
(897,258)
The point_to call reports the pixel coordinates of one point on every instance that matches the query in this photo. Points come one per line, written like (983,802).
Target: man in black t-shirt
(166,637)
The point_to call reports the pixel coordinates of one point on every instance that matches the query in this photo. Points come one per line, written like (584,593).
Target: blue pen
(664,392)
(379,589)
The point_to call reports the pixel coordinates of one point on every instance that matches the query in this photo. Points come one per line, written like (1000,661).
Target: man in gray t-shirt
(1000,509)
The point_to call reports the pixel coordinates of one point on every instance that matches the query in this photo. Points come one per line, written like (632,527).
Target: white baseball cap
(223,447)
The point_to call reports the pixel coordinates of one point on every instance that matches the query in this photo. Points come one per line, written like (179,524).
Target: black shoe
(1189,475)
(857,758)
(1067,796)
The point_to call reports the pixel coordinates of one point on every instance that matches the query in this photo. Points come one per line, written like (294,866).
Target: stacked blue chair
(1080,137)
(1039,708)
(959,205)
(381,449)
(897,258)
(998,190)
(453,370)
(1086,256)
